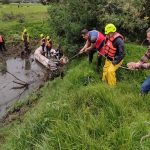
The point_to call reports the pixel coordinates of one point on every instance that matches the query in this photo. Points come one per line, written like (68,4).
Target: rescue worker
(94,42)
(25,38)
(2,44)
(142,64)
(59,52)
(43,43)
(114,53)
(48,46)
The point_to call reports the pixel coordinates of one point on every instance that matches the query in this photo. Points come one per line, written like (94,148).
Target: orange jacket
(110,50)
(49,43)
(1,39)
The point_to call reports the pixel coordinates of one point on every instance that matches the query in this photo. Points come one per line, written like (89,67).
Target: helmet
(41,35)
(25,30)
(110,28)
(47,37)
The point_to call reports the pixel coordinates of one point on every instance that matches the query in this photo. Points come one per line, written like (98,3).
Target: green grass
(82,112)
(34,19)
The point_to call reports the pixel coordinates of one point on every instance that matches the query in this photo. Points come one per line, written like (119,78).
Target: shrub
(11,16)
(130,17)
(5,1)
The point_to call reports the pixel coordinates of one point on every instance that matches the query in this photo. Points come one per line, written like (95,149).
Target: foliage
(32,17)
(81,112)
(47,2)
(11,16)
(130,17)
(5,1)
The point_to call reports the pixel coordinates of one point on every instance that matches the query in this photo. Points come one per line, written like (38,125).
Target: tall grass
(32,17)
(82,112)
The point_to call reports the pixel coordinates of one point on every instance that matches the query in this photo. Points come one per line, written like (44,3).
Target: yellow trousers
(109,72)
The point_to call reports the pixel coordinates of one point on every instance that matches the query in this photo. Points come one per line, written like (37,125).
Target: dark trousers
(43,46)
(48,49)
(26,45)
(91,53)
(2,47)
(99,58)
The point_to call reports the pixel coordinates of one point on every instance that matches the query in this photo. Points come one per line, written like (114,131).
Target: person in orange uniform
(43,43)
(25,38)
(114,53)
(2,44)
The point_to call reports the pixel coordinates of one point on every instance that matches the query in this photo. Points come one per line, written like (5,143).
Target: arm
(142,64)
(85,46)
(146,57)
(22,36)
(119,44)
(92,42)
(90,47)
(28,37)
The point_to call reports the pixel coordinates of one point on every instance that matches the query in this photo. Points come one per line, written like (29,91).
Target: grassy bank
(81,112)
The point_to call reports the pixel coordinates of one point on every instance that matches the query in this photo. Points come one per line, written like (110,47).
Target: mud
(15,49)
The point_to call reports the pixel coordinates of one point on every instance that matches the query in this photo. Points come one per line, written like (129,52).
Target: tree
(5,1)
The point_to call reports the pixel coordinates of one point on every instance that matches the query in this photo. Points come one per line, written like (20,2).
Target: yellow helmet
(47,37)
(41,35)
(25,30)
(110,28)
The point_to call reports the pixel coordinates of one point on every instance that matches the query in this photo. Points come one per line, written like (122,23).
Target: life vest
(49,43)
(43,41)
(110,50)
(99,40)
(25,37)
(1,39)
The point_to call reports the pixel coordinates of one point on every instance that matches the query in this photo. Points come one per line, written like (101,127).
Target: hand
(81,51)
(138,65)
(114,62)
(134,66)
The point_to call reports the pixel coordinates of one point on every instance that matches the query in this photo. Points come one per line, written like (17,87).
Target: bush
(11,16)
(130,17)
(5,1)
(21,18)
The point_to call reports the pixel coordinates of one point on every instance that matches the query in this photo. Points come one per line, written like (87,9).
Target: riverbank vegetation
(81,111)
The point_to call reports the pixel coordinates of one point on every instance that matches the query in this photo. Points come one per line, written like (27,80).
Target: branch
(16,77)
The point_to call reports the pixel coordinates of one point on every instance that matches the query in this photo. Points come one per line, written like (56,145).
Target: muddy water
(25,69)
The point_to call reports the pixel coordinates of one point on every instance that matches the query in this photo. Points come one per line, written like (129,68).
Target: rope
(126,68)
(123,67)
(74,56)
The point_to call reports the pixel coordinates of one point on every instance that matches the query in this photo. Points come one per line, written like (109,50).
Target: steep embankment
(81,112)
